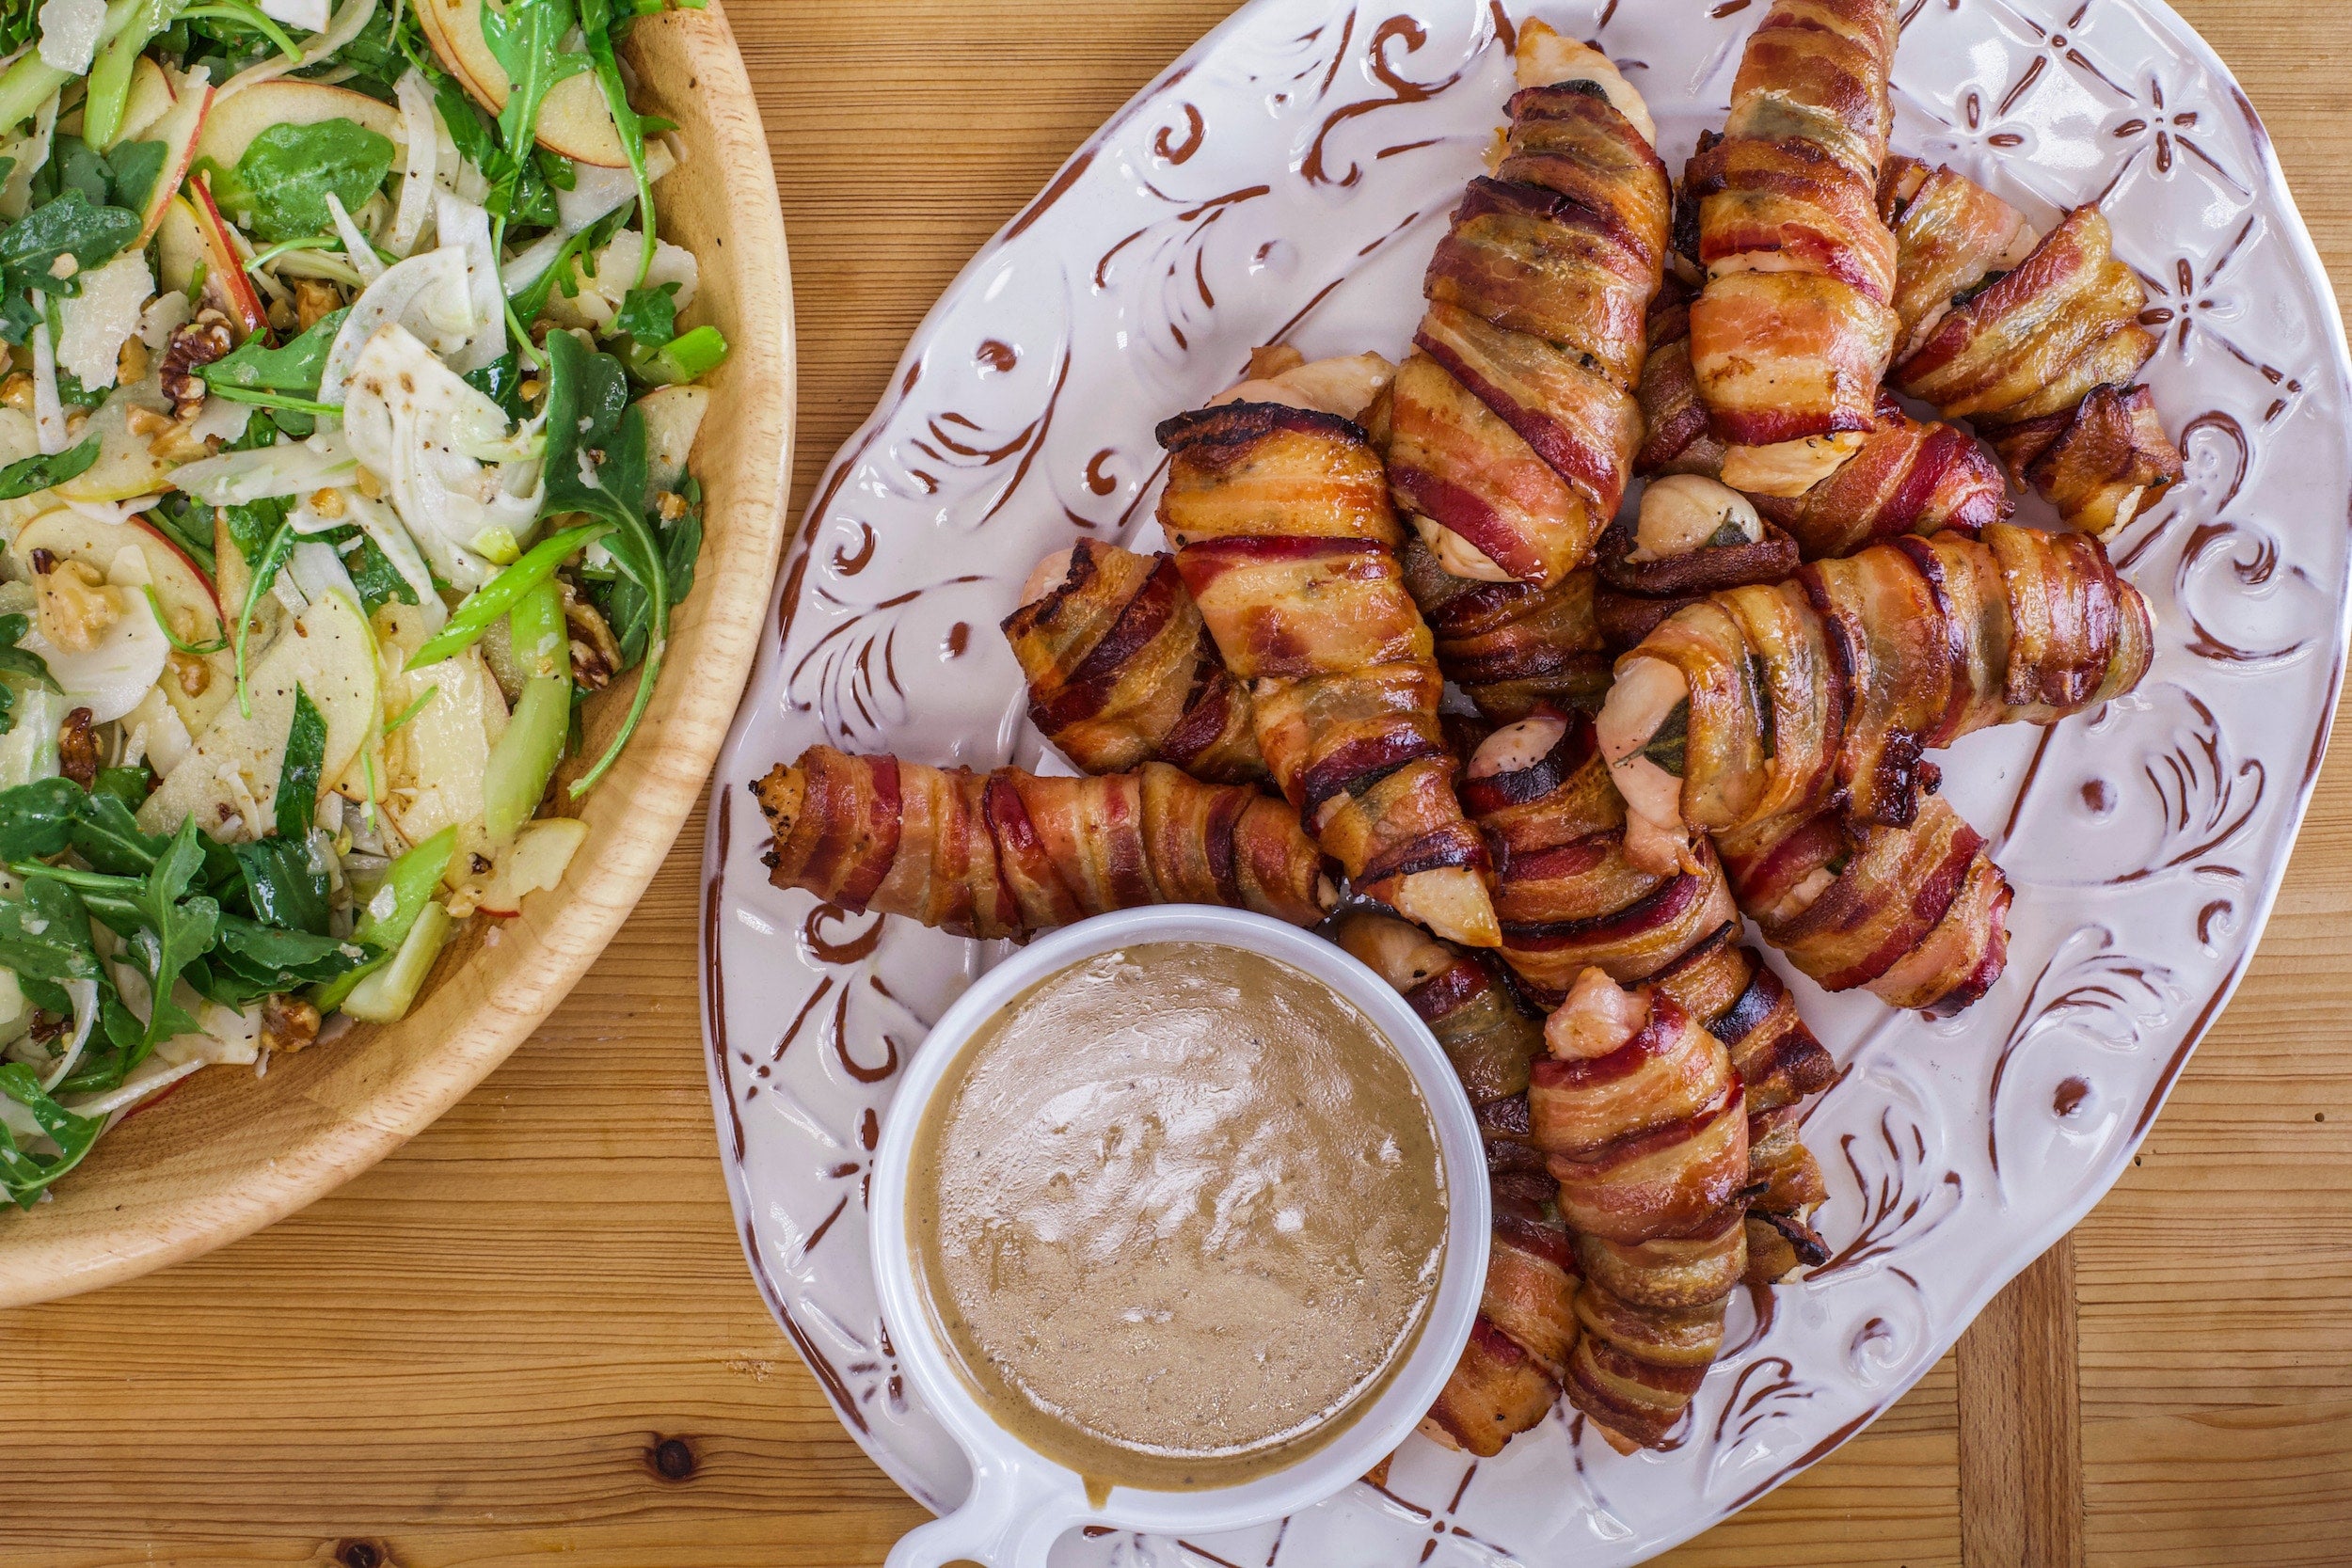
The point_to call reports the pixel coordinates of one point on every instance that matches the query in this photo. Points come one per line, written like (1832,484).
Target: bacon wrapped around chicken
(1008,853)
(1904,477)
(1792,333)
(1285,536)
(1783,701)
(1511,432)
(1569,899)
(1508,646)
(1121,670)
(1509,1373)
(2036,342)
(1643,1119)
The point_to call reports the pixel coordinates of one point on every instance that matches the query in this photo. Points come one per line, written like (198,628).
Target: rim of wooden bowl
(227,1154)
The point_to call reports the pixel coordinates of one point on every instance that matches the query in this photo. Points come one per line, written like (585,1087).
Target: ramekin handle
(1011,1520)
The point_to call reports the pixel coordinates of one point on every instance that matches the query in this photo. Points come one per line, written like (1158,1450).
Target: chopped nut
(194,675)
(368,484)
(146,421)
(281,315)
(131,362)
(193,345)
(596,653)
(17,391)
(76,606)
(328,502)
(76,423)
(288,1024)
(314,301)
(180,443)
(77,747)
(64,265)
(671,505)
(531,389)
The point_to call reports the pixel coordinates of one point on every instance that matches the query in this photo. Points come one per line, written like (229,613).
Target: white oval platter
(1286,180)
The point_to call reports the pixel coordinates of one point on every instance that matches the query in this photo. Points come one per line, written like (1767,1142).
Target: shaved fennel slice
(364,257)
(594,194)
(423,127)
(418,425)
(382,526)
(84,994)
(428,296)
(467,226)
(48,407)
(289,469)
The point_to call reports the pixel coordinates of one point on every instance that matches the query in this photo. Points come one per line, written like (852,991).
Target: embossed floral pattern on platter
(1285,181)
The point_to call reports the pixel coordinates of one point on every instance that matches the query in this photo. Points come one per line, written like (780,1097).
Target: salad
(343,442)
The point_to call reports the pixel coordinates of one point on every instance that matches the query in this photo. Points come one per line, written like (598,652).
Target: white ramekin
(1021,1501)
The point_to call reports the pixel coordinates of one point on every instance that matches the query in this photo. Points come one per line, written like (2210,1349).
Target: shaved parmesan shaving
(101,318)
(347,24)
(310,15)
(168,314)
(70,34)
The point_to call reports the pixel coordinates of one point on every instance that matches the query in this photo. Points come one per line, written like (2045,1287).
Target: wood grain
(2021,1442)
(467,1357)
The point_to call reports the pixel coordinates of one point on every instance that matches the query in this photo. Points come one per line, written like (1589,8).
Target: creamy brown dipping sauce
(1180,1212)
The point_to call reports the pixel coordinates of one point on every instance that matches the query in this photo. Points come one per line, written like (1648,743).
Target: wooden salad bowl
(228,1154)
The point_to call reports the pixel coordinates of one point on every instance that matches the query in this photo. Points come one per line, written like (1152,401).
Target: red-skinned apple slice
(193,231)
(180,129)
(573,120)
(230,129)
(186,599)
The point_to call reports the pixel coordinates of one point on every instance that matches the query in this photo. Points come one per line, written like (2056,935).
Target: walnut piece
(76,606)
(193,345)
(288,1024)
(596,653)
(77,747)
(314,301)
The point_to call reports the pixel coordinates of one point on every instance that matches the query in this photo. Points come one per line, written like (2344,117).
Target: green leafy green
(1667,742)
(265,562)
(254,960)
(42,470)
(21,663)
(597,27)
(69,226)
(296,368)
(131,787)
(648,316)
(23,1174)
(37,819)
(299,777)
(279,186)
(527,38)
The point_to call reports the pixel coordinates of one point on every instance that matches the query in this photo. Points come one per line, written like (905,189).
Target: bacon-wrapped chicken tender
(1121,670)
(2035,342)
(1008,853)
(1919,915)
(1510,1371)
(1512,431)
(1569,898)
(1792,333)
(1904,476)
(1783,701)
(1285,536)
(1642,1118)
(1509,647)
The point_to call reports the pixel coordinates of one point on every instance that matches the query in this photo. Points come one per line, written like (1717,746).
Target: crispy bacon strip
(1513,427)
(1906,477)
(1509,647)
(1792,334)
(1509,1373)
(1007,853)
(1121,670)
(1287,541)
(1917,915)
(1649,1143)
(1825,689)
(2037,347)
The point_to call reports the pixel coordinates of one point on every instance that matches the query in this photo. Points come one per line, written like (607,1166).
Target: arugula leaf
(283,883)
(69,226)
(596,26)
(44,937)
(180,521)
(648,316)
(37,819)
(42,470)
(298,780)
(296,368)
(1666,745)
(588,409)
(24,1174)
(132,171)
(274,552)
(129,785)
(373,575)
(501,381)
(107,834)
(279,186)
(176,930)
(253,961)
(22,663)
(527,37)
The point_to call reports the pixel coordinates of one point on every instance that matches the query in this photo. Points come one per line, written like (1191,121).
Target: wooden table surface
(532,1331)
